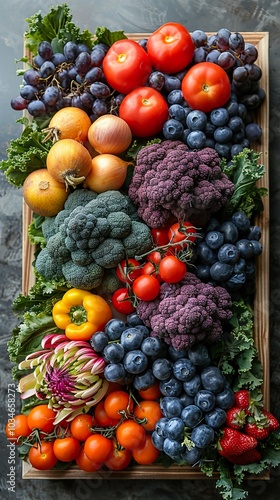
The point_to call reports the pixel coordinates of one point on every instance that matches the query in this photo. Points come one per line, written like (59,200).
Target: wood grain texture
(261,302)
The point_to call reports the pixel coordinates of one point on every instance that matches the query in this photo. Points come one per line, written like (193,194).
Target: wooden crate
(261,303)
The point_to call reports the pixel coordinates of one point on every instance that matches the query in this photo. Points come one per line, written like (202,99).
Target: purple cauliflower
(171,182)
(187,312)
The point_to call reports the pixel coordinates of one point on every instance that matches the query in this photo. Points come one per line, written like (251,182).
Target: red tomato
(128,270)
(121,301)
(154,257)
(16,428)
(146,287)
(206,86)
(151,269)
(170,48)
(66,449)
(179,232)
(145,111)
(41,456)
(172,269)
(41,417)
(160,236)
(126,66)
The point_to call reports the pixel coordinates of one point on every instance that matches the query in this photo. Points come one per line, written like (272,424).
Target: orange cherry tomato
(42,456)
(81,426)
(130,434)
(16,428)
(41,417)
(66,449)
(98,448)
(149,410)
(119,459)
(147,453)
(84,463)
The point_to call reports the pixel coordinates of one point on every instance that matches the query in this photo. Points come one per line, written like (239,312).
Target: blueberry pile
(195,398)
(226,253)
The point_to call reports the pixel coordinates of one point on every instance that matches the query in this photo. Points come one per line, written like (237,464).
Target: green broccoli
(57,249)
(110,282)
(120,224)
(139,241)
(79,197)
(48,227)
(109,253)
(85,277)
(47,267)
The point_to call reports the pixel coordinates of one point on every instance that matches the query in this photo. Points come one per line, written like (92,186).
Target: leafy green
(57,28)
(34,231)
(138,144)
(25,154)
(244,171)
(103,35)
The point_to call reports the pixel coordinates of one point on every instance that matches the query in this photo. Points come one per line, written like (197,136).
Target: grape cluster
(226,253)
(195,398)
(72,78)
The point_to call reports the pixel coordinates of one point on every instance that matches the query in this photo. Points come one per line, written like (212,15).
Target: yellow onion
(109,134)
(108,172)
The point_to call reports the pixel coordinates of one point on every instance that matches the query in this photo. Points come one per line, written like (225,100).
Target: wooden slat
(261,303)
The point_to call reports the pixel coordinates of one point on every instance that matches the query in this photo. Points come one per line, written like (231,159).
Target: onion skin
(44,194)
(109,134)
(108,172)
(70,123)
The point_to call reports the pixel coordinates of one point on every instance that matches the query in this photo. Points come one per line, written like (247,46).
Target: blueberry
(98,341)
(192,456)
(151,346)
(175,428)
(114,328)
(114,372)
(209,143)
(250,269)
(171,387)
(205,400)
(216,418)
(185,399)
(253,132)
(232,108)
(157,441)
(177,112)
(160,426)
(245,248)
(175,97)
(133,319)
(196,120)
(113,353)
(214,239)
(228,253)
(183,369)
(162,368)
(212,379)
(254,233)
(199,354)
(235,123)
(241,221)
(209,130)
(219,116)
(143,329)
(174,354)
(223,134)
(239,266)
(156,80)
(206,254)
(172,448)
(202,436)
(191,416)
(135,361)
(202,271)
(236,149)
(172,83)
(144,380)
(225,398)
(191,387)
(236,281)
(223,150)
(220,271)
(171,406)
(196,139)
(173,129)
(229,231)
(131,338)
(257,247)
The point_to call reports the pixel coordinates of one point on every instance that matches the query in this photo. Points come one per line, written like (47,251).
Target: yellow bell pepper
(81,313)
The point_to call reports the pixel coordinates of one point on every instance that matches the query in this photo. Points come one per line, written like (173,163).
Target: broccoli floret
(139,241)
(172,182)
(79,197)
(109,253)
(117,202)
(110,282)
(85,277)
(47,266)
(57,249)
(120,224)
(48,227)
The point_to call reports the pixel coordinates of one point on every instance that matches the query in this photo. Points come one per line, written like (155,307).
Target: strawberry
(234,442)
(273,423)
(258,431)
(242,399)
(236,417)
(248,457)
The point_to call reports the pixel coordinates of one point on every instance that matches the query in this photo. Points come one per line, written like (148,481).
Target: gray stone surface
(132,16)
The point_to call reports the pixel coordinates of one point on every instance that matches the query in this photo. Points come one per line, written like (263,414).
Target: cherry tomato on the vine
(66,449)
(98,448)
(41,417)
(84,463)
(147,453)
(170,48)
(152,393)
(116,402)
(130,434)
(149,410)
(101,416)
(121,301)
(17,427)
(146,287)
(160,236)
(80,426)
(119,458)
(41,456)
(145,111)
(206,86)
(172,269)
(179,232)
(126,66)
(128,270)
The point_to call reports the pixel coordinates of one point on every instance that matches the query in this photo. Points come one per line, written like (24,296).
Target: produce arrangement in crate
(142,341)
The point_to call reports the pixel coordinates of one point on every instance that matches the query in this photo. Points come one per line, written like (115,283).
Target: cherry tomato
(179,232)
(16,428)
(118,401)
(80,426)
(172,269)
(160,236)
(154,257)
(147,453)
(126,66)
(101,417)
(121,301)
(152,393)
(146,287)
(119,458)
(66,449)
(149,410)
(130,434)
(206,86)
(84,463)
(151,269)
(41,456)
(170,48)
(128,270)
(145,111)
(41,417)
(98,448)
